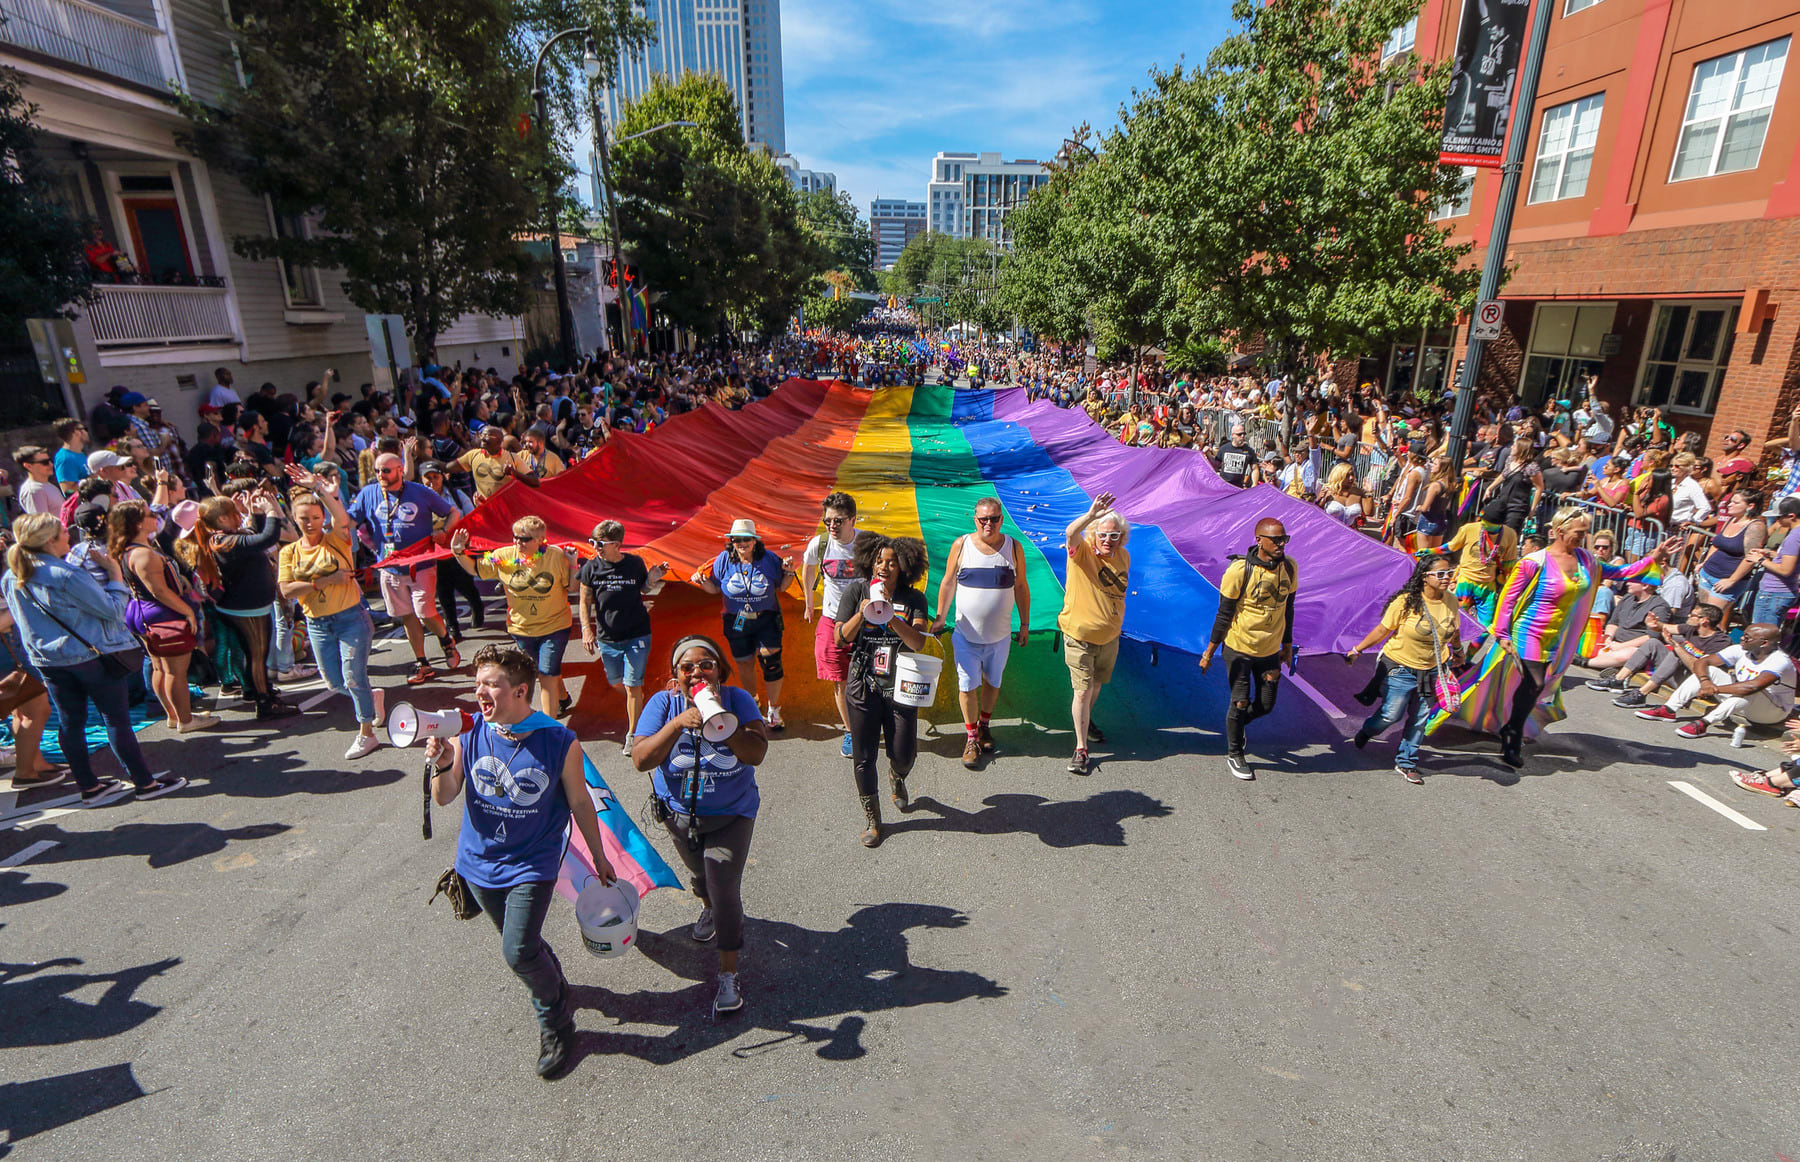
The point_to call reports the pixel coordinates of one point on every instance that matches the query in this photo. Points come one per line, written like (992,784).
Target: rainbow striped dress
(1541,613)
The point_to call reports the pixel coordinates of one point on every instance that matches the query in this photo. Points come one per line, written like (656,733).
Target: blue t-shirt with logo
(515,813)
(752,585)
(727,785)
(398,518)
(71,467)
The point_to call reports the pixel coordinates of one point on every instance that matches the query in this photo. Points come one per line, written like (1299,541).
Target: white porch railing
(160,316)
(90,35)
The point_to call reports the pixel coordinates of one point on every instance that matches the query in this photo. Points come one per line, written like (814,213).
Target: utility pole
(1495,266)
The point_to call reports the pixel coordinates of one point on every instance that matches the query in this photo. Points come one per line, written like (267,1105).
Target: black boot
(1512,742)
(553,1049)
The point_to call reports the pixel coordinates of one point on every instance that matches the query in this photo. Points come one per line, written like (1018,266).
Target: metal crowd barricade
(1635,536)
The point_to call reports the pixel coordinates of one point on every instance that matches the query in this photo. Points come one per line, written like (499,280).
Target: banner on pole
(1482,81)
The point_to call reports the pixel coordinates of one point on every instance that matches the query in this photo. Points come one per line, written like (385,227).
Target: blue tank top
(515,815)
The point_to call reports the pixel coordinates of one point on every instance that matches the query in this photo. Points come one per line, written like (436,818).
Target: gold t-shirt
(1094,599)
(1262,596)
(490,471)
(1411,646)
(536,588)
(1478,557)
(331,565)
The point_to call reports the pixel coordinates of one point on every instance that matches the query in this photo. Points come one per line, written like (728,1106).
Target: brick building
(1656,240)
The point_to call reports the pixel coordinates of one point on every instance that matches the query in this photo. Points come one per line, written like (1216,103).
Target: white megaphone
(607,915)
(716,723)
(408,724)
(879,610)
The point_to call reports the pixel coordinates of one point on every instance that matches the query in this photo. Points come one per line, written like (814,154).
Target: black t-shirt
(200,455)
(1560,480)
(1236,464)
(873,653)
(618,594)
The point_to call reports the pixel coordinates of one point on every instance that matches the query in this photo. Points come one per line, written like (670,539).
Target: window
(1571,7)
(1685,357)
(1566,341)
(1460,203)
(1565,150)
(1400,40)
(1728,111)
(300,284)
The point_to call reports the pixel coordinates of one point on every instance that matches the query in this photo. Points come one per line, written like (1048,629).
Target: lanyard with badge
(747,573)
(389,543)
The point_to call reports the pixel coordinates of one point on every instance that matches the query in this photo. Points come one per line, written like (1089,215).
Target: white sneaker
(364,744)
(626,749)
(198,722)
(297,674)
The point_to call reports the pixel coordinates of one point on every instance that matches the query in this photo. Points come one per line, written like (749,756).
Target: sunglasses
(600,544)
(832,522)
(523,538)
(704,665)
(1280,540)
(743,540)
(1109,536)
(1442,573)
(987,520)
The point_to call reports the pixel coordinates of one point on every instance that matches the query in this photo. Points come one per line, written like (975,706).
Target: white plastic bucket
(607,915)
(916,678)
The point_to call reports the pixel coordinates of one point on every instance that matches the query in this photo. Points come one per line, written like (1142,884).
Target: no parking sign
(1487,320)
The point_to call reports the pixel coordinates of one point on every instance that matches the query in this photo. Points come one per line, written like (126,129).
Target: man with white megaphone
(525,779)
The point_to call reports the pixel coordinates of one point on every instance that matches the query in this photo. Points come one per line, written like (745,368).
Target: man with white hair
(1093,613)
(395,513)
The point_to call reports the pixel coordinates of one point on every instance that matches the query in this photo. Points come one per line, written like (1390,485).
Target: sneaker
(705,928)
(1694,729)
(1078,764)
(564,706)
(157,788)
(422,673)
(971,758)
(453,657)
(1605,685)
(729,1000)
(276,708)
(1657,714)
(1758,782)
(1095,734)
(105,791)
(198,722)
(296,674)
(1362,739)
(626,749)
(1631,699)
(773,719)
(365,744)
(230,690)
(987,738)
(1410,776)
(848,747)
(553,1049)
(1239,767)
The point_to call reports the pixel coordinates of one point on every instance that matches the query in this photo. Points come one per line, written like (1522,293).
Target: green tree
(834,313)
(395,124)
(831,220)
(913,268)
(43,273)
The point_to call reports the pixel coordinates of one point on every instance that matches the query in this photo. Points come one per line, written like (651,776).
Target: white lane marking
(28,854)
(8,800)
(29,818)
(46,805)
(1310,691)
(1696,793)
(323,696)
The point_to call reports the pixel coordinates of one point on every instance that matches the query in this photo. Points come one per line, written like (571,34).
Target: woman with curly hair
(898,565)
(233,563)
(1420,629)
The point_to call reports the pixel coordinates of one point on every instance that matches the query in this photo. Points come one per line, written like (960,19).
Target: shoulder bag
(121,664)
(1444,684)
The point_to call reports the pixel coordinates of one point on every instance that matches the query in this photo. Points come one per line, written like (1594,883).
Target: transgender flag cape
(627,850)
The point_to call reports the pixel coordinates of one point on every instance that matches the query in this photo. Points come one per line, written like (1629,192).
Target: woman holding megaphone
(702,741)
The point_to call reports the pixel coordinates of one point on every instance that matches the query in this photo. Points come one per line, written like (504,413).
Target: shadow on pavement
(18,887)
(1097,821)
(163,844)
(804,987)
(40,1010)
(28,1108)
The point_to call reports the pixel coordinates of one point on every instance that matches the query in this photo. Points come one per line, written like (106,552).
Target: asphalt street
(1156,961)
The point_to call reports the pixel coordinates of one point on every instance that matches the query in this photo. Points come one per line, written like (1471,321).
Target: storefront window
(1565,346)
(1685,358)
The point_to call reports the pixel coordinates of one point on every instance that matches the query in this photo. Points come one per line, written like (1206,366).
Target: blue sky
(875,88)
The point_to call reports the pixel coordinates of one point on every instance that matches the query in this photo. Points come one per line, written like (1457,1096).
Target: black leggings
(1254,684)
(716,871)
(451,583)
(870,716)
(255,633)
(1531,684)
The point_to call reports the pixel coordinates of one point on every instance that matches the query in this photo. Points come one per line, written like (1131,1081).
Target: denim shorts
(547,650)
(624,661)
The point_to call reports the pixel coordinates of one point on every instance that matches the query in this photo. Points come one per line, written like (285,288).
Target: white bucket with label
(916,679)
(607,915)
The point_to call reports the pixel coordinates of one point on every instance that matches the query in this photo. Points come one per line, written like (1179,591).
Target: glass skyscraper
(739,40)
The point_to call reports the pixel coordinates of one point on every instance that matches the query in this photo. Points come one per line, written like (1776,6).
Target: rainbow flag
(1592,635)
(639,298)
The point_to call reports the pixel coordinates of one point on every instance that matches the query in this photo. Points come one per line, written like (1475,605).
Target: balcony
(92,36)
(160,316)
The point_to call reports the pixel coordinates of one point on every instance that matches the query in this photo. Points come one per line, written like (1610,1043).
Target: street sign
(1486,325)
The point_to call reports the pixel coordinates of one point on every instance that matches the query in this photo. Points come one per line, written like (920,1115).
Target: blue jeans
(1770,606)
(546,651)
(1404,699)
(624,661)
(281,653)
(340,645)
(518,914)
(70,688)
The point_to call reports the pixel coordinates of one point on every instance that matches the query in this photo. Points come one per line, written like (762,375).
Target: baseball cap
(1736,466)
(131,399)
(106,458)
(430,466)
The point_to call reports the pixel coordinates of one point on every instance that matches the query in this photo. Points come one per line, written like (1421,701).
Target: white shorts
(977,663)
(416,593)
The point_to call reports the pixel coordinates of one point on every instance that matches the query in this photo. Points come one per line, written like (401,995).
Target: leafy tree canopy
(42,270)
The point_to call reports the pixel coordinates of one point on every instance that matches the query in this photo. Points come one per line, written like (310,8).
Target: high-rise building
(970,194)
(739,40)
(894,222)
(807,181)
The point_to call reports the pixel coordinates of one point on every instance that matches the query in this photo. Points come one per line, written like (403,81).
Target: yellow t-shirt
(1478,558)
(1094,599)
(331,565)
(536,588)
(1262,596)
(1412,646)
(490,471)
(550,465)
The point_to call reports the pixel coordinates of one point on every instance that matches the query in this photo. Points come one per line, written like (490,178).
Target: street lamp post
(590,64)
(603,152)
